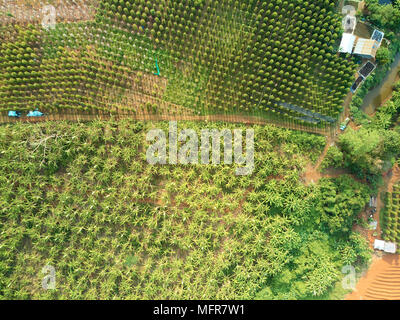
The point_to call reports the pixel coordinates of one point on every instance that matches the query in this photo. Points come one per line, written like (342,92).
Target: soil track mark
(380,282)
(312,173)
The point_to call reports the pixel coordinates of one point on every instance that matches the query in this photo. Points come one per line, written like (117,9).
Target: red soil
(312,173)
(380,282)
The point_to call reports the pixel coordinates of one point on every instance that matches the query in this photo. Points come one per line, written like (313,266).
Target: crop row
(269,59)
(392,215)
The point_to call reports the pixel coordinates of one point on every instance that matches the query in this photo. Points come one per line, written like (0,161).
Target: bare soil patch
(30,11)
(381,281)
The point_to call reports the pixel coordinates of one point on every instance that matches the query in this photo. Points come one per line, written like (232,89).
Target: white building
(388,247)
(347,43)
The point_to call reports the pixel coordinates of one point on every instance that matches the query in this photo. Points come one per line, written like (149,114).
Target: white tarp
(350,10)
(388,247)
(379,244)
(347,43)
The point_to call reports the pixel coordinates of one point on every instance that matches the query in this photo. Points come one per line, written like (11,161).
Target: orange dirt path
(380,282)
(312,174)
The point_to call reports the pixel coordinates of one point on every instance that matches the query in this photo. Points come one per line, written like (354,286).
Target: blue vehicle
(158,69)
(14,114)
(35,113)
(344,124)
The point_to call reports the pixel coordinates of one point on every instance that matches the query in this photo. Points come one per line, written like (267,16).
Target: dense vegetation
(274,59)
(366,150)
(82,198)
(386,55)
(372,149)
(386,16)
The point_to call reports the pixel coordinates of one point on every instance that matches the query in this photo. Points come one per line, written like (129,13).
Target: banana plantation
(83,199)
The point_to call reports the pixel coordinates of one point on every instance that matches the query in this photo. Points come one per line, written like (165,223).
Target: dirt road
(150,117)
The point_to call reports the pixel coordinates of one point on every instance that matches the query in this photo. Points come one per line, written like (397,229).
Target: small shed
(347,43)
(377,36)
(379,244)
(388,247)
(372,202)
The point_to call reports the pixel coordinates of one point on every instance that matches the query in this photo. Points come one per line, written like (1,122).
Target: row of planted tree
(392,215)
(271,59)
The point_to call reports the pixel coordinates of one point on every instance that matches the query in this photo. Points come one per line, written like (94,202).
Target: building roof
(365,71)
(378,36)
(347,43)
(389,247)
(356,84)
(379,244)
(372,201)
(366,47)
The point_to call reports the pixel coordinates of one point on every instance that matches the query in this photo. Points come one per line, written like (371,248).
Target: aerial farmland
(199,150)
